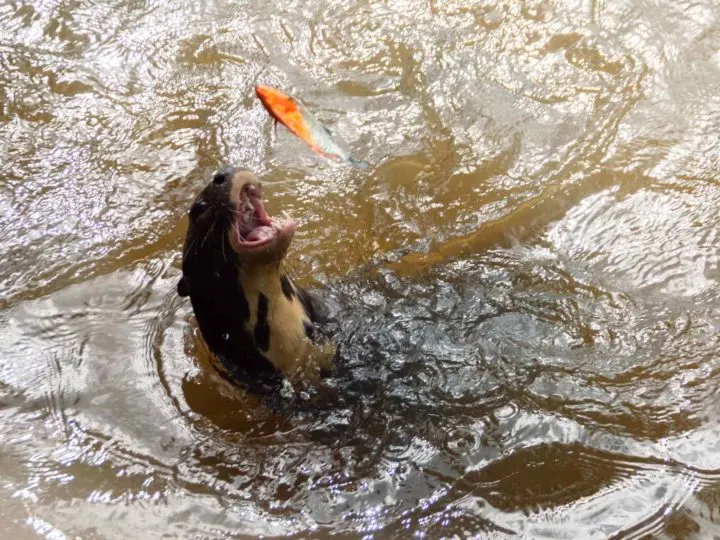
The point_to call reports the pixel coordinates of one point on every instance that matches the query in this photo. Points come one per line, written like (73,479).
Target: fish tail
(359,163)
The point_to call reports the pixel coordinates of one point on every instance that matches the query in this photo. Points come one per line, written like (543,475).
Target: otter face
(249,312)
(232,204)
(228,227)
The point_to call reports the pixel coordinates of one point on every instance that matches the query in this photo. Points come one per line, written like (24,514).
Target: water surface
(527,280)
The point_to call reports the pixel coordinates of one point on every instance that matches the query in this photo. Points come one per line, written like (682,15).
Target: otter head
(249,312)
(231,207)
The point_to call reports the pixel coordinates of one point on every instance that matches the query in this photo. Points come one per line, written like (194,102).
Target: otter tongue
(259,233)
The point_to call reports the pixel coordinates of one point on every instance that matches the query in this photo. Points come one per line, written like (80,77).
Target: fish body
(295,117)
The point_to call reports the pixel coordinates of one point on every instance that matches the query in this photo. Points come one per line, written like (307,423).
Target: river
(526,281)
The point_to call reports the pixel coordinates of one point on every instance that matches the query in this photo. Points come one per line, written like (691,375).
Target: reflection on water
(525,284)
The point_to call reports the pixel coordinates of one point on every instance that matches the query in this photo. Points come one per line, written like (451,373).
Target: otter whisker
(222,244)
(191,246)
(207,234)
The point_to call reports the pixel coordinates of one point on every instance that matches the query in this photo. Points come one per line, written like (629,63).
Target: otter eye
(197,208)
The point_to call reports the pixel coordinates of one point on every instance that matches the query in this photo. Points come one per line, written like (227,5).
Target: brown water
(527,279)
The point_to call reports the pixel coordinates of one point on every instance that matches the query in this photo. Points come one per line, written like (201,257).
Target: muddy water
(526,279)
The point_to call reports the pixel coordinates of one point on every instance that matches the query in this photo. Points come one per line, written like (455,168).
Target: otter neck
(263,278)
(279,322)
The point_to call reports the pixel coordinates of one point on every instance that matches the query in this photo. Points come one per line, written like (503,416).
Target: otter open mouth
(254,227)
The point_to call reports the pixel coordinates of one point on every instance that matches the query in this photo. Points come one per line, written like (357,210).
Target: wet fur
(251,315)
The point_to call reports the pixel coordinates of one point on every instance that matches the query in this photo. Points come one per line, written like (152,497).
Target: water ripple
(526,302)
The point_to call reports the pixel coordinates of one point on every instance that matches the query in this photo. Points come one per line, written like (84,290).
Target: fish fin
(359,163)
(329,133)
(321,152)
(275,123)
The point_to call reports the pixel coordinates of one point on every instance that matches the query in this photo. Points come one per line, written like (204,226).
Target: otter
(254,319)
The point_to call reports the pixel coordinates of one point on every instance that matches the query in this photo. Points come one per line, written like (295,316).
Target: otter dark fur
(250,313)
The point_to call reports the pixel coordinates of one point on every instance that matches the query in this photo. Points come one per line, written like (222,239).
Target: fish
(289,112)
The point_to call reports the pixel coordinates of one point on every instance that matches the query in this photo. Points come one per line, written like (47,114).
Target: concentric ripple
(525,284)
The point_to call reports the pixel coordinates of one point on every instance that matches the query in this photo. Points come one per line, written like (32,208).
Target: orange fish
(291,114)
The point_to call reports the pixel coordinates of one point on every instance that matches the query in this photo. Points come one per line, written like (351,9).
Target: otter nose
(224,175)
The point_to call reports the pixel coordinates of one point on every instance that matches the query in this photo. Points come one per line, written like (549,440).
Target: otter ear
(183,286)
